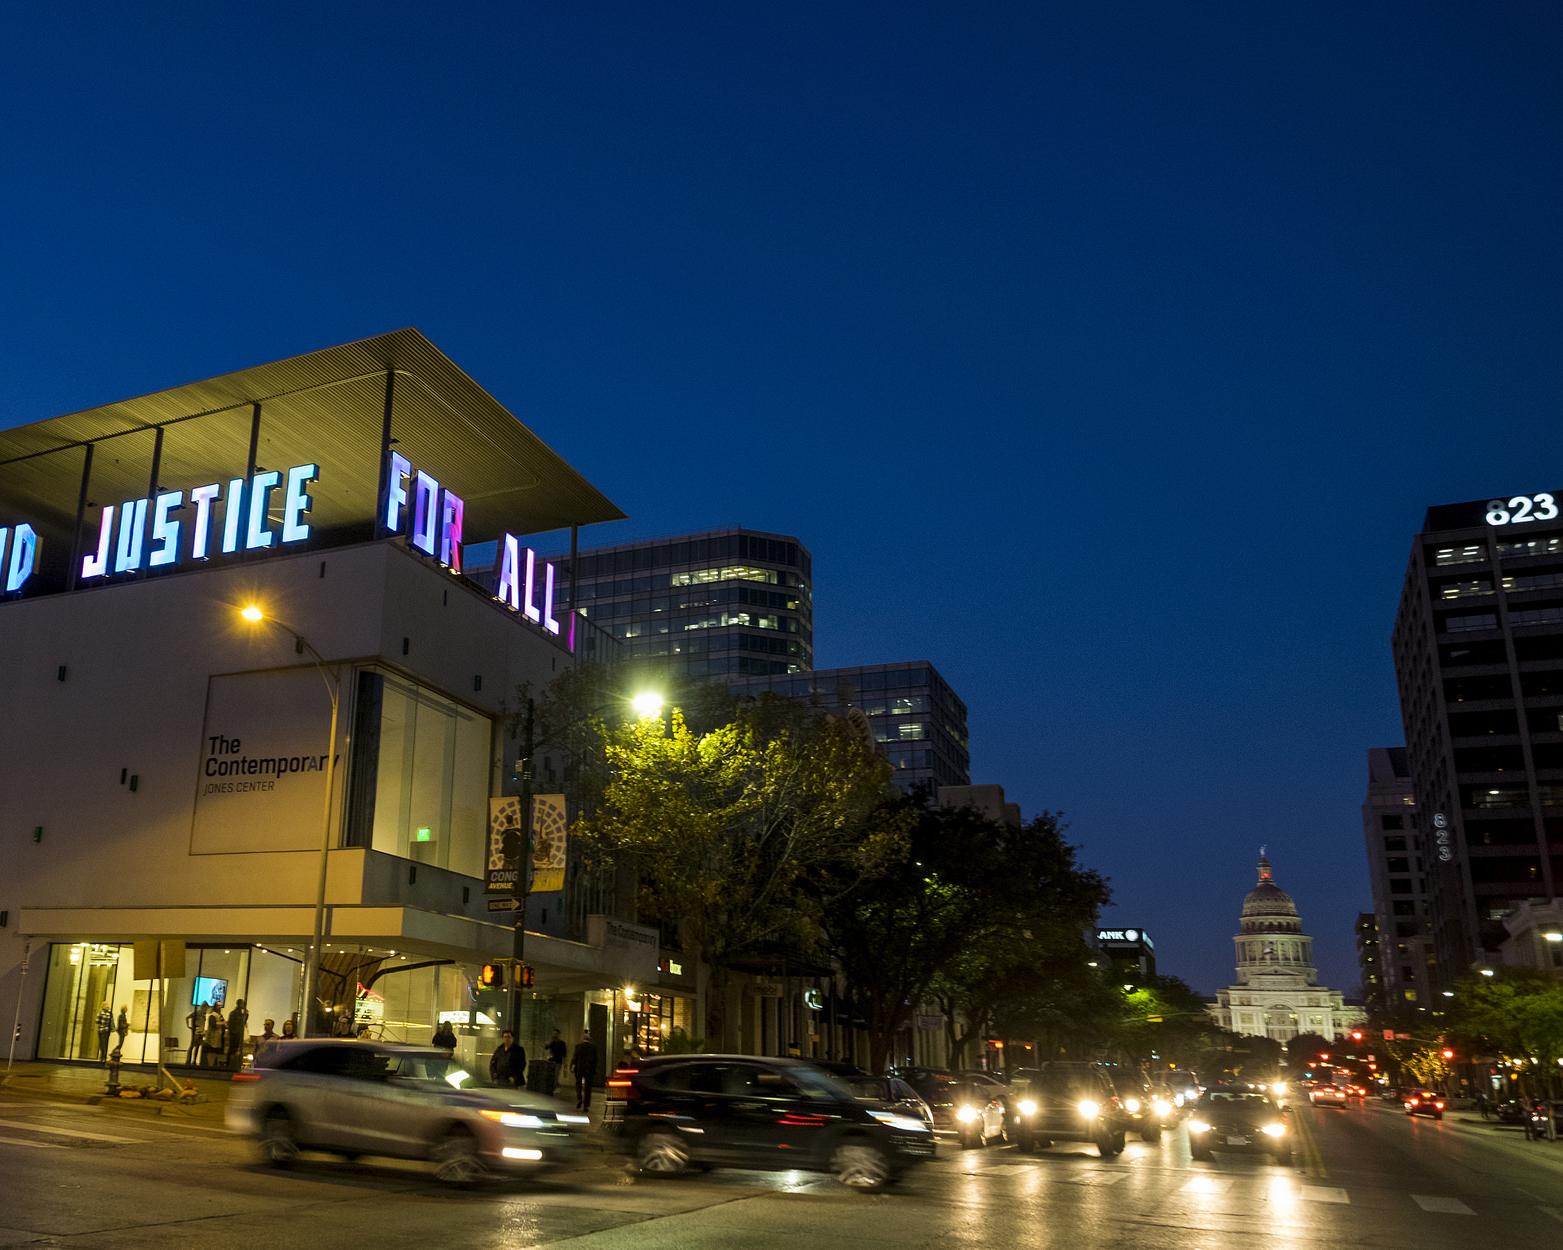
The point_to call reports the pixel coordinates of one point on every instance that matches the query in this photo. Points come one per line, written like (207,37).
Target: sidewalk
(71,1082)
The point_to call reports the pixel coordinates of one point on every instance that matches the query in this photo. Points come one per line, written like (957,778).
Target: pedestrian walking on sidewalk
(556,1054)
(105,1028)
(584,1065)
(507,1065)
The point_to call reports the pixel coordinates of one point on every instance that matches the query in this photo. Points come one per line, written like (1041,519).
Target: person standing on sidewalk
(238,1034)
(584,1065)
(122,1026)
(556,1053)
(197,1022)
(105,1028)
(507,1065)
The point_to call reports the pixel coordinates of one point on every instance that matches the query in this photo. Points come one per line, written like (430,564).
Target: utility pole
(522,885)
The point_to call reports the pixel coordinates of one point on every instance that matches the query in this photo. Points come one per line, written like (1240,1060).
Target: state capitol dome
(1277,992)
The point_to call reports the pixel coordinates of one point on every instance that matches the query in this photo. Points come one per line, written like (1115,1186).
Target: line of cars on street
(676,1114)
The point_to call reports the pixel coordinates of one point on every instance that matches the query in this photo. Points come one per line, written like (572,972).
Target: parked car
(683,1111)
(1067,1101)
(888,1093)
(1424,1102)
(971,1107)
(356,1098)
(1235,1117)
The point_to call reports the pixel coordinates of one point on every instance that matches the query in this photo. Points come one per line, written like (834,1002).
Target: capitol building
(1277,993)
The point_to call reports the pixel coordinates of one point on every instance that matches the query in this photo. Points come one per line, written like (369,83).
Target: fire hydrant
(113,1089)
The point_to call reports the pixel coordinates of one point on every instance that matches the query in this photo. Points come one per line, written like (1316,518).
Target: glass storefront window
(419,780)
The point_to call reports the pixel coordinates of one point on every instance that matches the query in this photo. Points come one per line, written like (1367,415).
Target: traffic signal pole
(522,885)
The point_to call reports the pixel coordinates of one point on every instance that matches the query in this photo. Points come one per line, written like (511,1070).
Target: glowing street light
(647,705)
(1552,935)
(252,614)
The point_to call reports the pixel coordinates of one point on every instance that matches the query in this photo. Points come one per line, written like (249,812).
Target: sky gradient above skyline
(1105,356)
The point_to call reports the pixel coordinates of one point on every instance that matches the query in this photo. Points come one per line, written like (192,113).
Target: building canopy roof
(329,406)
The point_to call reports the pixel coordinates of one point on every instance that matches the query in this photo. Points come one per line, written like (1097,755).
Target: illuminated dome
(1267,908)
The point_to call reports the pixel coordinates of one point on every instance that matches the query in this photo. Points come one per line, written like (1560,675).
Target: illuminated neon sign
(126,545)
(18,555)
(433,524)
(518,584)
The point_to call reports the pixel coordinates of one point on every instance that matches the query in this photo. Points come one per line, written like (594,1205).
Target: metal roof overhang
(326,406)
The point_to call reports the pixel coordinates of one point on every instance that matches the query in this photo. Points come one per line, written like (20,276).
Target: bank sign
(270,510)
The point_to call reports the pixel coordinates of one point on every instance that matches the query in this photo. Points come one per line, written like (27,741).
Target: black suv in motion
(679,1111)
(1066,1102)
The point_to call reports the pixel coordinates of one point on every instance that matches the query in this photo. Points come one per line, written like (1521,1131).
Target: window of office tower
(418,780)
(727,573)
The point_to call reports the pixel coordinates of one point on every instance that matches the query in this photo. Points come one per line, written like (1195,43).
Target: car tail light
(246,1076)
(1414,1101)
(1439,1105)
(620,1084)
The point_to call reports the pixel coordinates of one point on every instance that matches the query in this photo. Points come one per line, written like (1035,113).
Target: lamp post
(254,615)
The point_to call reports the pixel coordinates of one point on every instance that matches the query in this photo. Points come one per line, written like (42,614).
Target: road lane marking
(70,1132)
(36,1145)
(1094,1178)
(1555,1212)
(1440,1205)
(1208,1185)
(1324,1193)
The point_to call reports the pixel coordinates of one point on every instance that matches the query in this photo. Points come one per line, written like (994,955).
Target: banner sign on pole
(550,843)
(504,835)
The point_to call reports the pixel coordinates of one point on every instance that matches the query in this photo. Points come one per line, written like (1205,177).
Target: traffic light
(488,976)
(526,976)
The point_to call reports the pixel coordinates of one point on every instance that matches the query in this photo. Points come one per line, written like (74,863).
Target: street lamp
(254,615)
(1552,935)
(647,705)
(1487,972)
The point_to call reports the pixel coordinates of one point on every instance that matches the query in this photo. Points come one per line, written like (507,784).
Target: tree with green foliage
(1515,1015)
(740,839)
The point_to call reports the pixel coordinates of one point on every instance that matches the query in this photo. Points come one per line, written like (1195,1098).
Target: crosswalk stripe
(1094,1178)
(1324,1193)
(36,1145)
(1440,1205)
(69,1132)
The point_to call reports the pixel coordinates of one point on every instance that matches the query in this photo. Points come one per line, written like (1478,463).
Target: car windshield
(433,1069)
(1228,1098)
(821,1085)
(867,1086)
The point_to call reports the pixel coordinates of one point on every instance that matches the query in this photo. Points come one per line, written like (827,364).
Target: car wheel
(456,1159)
(279,1140)
(969,1140)
(1152,1134)
(1438,1116)
(660,1153)
(858,1165)
(1203,1153)
(1105,1145)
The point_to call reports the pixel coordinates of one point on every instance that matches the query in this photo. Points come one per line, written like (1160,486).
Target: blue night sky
(1104,355)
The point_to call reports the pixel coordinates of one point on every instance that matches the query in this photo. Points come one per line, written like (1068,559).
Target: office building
(1478,647)
(1370,962)
(1533,937)
(1277,992)
(1397,874)
(182,782)
(908,709)
(718,605)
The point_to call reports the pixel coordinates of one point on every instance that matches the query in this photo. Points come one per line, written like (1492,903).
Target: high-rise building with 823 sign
(1478,646)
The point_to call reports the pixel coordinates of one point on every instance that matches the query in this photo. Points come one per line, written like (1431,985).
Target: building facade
(1397,874)
(1534,938)
(1478,647)
(1277,992)
(182,782)
(717,605)
(1370,965)
(913,716)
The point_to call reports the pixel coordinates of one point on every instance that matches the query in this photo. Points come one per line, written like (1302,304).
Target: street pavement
(109,1176)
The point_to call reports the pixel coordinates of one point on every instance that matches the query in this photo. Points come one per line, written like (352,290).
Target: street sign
(503,904)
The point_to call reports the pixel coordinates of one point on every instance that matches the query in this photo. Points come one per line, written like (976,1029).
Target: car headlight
(1177,1100)
(1274,1129)
(1132,1106)
(1198,1126)
(905,1123)
(1161,1107)
(513,1119)
(966,1113)
(1028,1106)
(1090,1110)
(573,1119)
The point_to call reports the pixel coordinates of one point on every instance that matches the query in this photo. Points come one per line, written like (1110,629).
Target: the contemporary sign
(18,555)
